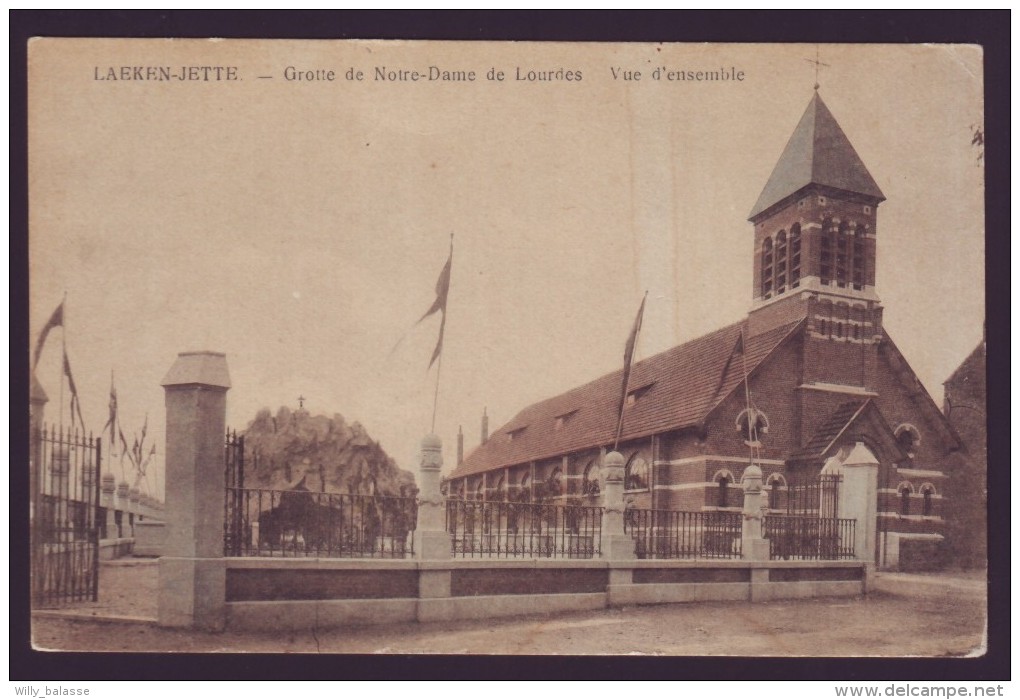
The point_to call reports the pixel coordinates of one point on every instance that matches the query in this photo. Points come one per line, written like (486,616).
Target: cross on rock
(818,64)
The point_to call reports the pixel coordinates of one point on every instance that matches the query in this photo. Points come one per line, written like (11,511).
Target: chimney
(460,445)
(485,425)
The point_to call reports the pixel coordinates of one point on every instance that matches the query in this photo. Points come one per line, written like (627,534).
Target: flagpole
(747,395)
(435,398)
(442,328)
(626,385)
(619,421)
(63,359)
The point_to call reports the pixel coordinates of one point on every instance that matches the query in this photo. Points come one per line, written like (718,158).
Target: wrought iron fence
(508,529)
(235,528)
(64,513)
(803,537)
(818,498)
(673,534)
(301,523)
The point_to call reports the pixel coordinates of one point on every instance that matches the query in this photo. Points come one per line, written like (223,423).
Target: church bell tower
(814,235)
(814,249)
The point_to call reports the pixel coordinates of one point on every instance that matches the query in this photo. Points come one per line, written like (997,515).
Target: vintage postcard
(380,346)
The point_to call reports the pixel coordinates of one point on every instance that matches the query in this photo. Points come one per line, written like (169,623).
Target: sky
(300,226)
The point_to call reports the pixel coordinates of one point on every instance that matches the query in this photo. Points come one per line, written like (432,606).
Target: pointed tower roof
(818,153)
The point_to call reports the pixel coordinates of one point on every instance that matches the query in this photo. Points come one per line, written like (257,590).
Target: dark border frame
(988,28)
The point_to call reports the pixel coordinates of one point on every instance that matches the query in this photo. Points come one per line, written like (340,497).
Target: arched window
(724,491)
(828,239)
(636,475)
(794,256)
(905,490)
(858,259)
(590,480)
(554,484)
(928,494)
(781,262)
(776,486)
(480,492)
(501,489)
(842,253)
(525,494)
(766,268)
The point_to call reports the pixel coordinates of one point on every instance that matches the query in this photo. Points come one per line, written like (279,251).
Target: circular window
(636,477)
(752,424)
(908,438)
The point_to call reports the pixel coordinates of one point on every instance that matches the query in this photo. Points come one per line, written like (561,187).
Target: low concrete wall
(150,538)
(264,593)
(115,548)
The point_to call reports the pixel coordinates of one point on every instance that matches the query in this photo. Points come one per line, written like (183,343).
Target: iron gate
(233,495)
(803,521)
(65,516)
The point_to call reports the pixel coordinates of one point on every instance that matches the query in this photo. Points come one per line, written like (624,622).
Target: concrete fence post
(616,544)
(192,572)
(858,498)
(433,541)
(753,546)
(108,484)
(37,400)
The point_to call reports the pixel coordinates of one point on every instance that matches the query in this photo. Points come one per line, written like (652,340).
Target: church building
(806,376)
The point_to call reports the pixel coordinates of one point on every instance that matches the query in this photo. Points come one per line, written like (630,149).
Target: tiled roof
(969,365)
(818,153)
(830,429)
(682,385)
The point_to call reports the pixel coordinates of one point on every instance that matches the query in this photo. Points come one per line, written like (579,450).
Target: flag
(148,459)
(111,422)
(442,291)
(57,319)
(124,449)
(75,402)
(152,453)
(628,358)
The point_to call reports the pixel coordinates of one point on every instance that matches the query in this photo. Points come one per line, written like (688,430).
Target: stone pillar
(753,546)
(133,496)
(37,408)
(192,572)
(37,400)
(433,541)
(858,498)
(616,544)
(107,486)
(123,507)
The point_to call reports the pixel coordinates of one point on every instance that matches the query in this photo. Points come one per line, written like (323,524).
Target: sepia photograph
(507,348)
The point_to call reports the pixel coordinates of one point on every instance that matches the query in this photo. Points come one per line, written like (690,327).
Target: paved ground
(908,615)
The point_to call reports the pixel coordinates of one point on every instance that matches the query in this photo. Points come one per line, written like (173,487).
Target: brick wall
(773,390)
(920,555)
